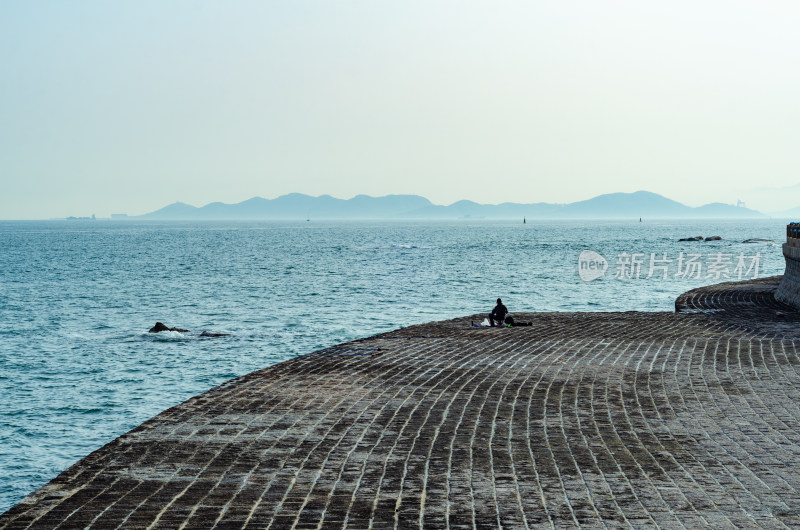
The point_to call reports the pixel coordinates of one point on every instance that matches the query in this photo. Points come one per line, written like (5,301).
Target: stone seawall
(603,420)
(789,290)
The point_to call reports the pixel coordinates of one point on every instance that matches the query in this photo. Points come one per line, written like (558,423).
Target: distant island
(642,204)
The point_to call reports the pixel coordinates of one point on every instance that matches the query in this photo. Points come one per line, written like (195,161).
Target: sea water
(78,367)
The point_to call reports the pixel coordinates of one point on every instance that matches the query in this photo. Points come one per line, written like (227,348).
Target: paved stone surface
(687,419)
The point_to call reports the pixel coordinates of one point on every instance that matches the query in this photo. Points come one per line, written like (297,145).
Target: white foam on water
(166,336)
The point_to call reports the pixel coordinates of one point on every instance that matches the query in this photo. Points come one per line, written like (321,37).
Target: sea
(78,367)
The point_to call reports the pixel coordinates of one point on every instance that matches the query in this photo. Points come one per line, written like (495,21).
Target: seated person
(498,314)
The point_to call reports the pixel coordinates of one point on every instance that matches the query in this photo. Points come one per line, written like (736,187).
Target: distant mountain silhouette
(299,206)
(638,204)
(793,213)
(296,206)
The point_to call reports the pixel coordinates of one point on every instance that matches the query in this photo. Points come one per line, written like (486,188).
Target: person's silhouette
(498,314)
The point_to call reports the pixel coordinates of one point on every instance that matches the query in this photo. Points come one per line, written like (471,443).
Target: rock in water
(161,327)
(696,238)
(714,238)
(758,240)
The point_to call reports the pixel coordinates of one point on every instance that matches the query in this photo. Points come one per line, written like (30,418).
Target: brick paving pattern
(686,419)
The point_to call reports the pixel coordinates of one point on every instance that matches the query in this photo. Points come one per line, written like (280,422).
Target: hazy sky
(124,107)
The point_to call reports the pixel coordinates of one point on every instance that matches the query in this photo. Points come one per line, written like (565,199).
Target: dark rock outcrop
(700,238)
(161,327)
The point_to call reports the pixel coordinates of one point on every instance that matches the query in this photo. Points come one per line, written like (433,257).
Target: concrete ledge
(687,419)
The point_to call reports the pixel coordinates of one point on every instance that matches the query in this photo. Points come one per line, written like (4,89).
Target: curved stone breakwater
(685,419)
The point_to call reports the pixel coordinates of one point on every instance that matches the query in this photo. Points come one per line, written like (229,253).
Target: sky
(124,107)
